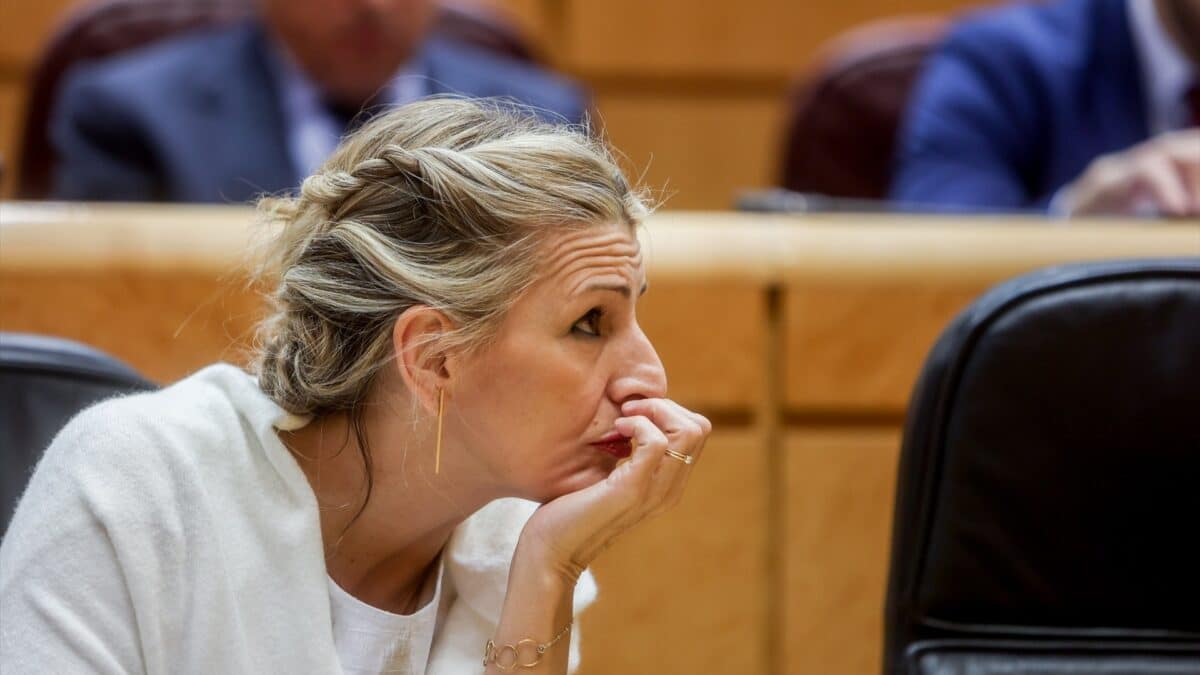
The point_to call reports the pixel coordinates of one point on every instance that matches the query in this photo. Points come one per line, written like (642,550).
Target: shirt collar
(1166,72)
(311,131)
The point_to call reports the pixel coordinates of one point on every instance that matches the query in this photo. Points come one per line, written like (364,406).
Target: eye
(589,324)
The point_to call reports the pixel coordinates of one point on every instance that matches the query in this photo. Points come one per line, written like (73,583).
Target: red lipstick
(614,444)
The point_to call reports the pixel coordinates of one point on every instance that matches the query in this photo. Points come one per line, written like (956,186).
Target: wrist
(536,617)
(540,570)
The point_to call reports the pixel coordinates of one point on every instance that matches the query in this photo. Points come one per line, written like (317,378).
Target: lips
(614,444)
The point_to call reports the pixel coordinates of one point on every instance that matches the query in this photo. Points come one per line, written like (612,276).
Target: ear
(423,364)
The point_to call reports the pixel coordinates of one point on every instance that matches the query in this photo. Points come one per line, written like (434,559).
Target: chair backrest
(1049,484)
(101,28)
(44,381)
(843,116)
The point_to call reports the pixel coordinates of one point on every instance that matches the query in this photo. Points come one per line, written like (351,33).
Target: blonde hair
(442,203)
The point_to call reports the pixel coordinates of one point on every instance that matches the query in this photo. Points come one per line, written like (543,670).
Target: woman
(453,342)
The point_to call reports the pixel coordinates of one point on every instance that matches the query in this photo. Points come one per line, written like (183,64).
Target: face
(537,404)
(350,48)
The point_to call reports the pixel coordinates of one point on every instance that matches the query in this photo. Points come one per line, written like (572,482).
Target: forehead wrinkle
(583,244)
(585,250)
(577,275)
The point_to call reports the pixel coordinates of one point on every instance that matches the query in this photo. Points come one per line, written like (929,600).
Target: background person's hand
(567,533)
(1160,176)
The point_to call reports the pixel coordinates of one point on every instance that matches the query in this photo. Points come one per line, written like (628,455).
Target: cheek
(543,396)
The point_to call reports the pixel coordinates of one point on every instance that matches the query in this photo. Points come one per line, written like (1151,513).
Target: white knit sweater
(173,533)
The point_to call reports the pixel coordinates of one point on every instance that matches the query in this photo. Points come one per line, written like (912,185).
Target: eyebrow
(623,289)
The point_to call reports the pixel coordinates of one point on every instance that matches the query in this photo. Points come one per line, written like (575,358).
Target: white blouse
(370,641)
(173,533)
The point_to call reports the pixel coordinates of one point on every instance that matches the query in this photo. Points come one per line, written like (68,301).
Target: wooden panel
(165,324)
(837,519)
(859,348)
(710,337)
(12,111)
(686,593)
(718,38)
(24,27)
(697,150)
(533,19)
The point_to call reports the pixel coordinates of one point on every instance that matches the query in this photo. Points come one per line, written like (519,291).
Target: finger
(675,492)
(649,446)
(686,428)
(1181,140)
(656,472)
(668,415)
(702,422)
(1184,153)
(1159,179)
(687,434)
(652,406)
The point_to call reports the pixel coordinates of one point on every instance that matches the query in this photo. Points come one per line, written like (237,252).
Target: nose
(639,372)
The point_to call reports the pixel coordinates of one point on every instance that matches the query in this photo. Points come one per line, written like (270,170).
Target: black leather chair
(44,381)
(1048,505)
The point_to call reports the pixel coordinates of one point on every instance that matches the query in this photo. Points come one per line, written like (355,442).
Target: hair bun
(441,203)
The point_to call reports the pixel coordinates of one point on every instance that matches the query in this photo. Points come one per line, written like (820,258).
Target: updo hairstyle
(442,203)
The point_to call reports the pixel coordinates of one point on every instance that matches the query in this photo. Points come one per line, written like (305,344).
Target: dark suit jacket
(1016,104)
(197,118)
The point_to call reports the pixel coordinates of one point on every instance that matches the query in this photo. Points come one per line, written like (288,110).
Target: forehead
(576,256)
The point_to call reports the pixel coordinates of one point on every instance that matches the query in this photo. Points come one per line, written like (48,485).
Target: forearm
(537,607)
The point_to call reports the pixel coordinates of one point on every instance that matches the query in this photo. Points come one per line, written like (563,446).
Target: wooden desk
(800,337)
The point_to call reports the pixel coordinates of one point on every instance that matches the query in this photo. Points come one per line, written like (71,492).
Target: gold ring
(674,454)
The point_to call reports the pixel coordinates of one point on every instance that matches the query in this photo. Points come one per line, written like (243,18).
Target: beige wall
(692,92)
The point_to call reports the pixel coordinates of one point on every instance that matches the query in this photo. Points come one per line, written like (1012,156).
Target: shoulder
(466,70)
(121,474)
(144,508)
(167,58)
(154,74)
(150,455)
(1027,34)
(1006,67)
(194,410)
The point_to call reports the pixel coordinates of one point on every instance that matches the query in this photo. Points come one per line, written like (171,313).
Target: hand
(567,533)
(1161,174)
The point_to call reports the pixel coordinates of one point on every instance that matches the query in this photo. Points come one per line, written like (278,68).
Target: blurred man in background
(1077,107)
(229,113)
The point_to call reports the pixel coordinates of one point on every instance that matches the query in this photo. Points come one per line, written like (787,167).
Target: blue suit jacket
(1017,102)
(197,119)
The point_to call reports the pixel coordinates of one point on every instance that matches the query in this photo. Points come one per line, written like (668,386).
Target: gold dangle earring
(437,458)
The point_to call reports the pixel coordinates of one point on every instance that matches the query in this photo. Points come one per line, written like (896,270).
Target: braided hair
(441,203)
